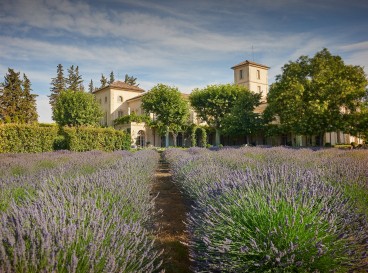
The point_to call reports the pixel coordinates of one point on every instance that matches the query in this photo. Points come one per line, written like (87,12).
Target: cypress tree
(90,86)
(57,85)
(29,108)
(112,77)
(10,98)
(103,81)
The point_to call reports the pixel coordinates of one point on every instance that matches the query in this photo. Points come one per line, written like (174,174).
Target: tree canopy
(214,102)
(242,118)
(17,104)
(316,95)
(76,108)
(169,108)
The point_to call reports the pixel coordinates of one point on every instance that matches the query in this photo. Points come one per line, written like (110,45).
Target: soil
(171,234)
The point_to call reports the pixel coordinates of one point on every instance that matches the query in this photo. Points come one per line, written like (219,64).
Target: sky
(188,44)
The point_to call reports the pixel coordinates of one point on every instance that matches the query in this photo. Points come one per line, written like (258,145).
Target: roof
(246,62)
(121,85)
(136,97)
(183,95)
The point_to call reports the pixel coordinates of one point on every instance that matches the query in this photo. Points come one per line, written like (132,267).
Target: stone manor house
(119,99)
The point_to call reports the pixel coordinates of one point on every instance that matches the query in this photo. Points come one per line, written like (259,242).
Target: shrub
(26,138)
(89,138)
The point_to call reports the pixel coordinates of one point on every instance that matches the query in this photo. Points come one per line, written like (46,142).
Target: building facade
(120,99)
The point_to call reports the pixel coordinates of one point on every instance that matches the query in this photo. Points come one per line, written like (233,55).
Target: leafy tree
(170,109)
(90,86)
(57,85)
(214,102)
(112,77)
(242,118)
(76,108)
(103,81)
(17,104)
(130,80)
(316,95)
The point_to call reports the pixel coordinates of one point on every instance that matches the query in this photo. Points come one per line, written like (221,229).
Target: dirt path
(171,235)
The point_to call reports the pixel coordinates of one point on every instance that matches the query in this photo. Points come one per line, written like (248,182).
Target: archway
(199,137)
(141,139)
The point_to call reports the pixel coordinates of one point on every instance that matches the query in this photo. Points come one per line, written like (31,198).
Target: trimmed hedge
(88,138)
(35,138)
(26,138)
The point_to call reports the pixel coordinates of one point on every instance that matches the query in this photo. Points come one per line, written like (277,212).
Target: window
(120,99)
(120,114)
(105,99)
(100,101)
(258,74)
(241,73)
(259,89)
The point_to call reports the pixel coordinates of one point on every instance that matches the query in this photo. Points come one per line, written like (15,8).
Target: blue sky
(187,44)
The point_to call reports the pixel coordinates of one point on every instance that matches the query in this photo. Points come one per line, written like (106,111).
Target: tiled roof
(121,85)
(246,62)
(136,97)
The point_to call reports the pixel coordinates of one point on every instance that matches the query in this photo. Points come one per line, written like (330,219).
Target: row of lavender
(77,212)
(275,209)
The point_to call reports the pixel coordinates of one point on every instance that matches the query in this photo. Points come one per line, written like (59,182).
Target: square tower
(252,75)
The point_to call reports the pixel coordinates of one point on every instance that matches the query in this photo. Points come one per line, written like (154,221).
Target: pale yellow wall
(112,106)
(136,106)
(250,79)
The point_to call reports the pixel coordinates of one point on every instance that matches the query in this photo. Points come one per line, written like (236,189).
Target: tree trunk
(175,135)
(167,138)
(217,139)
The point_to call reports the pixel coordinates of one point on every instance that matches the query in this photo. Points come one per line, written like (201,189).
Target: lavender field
(77,212)
(275,209)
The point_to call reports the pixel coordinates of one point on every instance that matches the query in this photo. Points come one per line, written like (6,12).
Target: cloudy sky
(188,43)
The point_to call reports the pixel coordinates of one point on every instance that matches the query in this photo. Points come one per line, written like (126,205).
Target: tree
(57,85)
(130,80)
(74,80)
(103,81)
(214,102)
(17,104)
(76,108)
(242,118)
(316,95)
(112,77)
(90,86)
(170,109)
(28,106)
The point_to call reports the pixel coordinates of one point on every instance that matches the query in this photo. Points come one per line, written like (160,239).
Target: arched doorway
(141,139)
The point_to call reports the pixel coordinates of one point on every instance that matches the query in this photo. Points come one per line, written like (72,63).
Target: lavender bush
(275,210)
(94,221)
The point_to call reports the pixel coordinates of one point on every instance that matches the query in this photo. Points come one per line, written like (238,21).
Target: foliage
(112,77)
(242,118)
(76,221)
(76,108)
(169,108)
(130,80)
(89,138)
(203,140)
(133,117)
(103,81)
(17,104)
(57,85)
(275,209)
(316,95)
(90,87)
(214,102)
(26,138)
(74,80)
